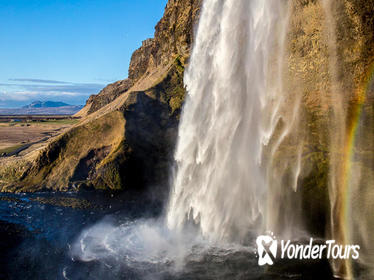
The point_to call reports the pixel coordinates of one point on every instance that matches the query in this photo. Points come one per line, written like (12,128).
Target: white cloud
(21,93)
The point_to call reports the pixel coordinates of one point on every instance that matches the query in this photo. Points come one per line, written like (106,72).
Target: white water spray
(233,107)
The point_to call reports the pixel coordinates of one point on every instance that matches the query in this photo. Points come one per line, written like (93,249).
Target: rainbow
(353,120)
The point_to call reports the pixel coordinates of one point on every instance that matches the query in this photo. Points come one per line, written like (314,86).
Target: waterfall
(337,140)
(224,181)
(275,135)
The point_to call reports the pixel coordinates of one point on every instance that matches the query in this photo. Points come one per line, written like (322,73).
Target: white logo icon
(267,249)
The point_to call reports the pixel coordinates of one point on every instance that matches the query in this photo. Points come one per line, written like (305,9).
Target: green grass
(62,122)
(40,122)
(11,149)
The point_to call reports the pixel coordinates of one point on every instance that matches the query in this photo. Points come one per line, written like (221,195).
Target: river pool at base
(106,236)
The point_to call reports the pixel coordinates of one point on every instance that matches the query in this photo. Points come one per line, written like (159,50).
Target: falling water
(233,109)
(267,119)
(349,193)
(337,140)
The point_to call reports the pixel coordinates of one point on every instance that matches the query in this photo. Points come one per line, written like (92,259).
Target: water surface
(107,236)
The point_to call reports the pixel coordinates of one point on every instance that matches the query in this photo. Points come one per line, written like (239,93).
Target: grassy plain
(18,133)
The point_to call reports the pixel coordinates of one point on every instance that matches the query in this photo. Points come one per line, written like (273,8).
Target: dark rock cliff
(107,95)
(173,38)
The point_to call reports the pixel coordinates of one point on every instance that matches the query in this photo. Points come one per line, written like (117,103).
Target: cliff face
(107,95)
(329,57)
(331,44)
(173,38)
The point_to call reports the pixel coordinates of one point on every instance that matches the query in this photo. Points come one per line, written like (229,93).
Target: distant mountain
(45,104)
(43,108)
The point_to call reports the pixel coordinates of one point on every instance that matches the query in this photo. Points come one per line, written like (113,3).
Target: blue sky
(66,50)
